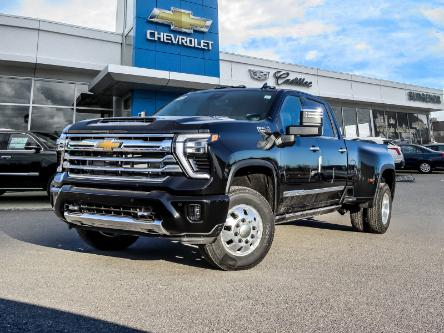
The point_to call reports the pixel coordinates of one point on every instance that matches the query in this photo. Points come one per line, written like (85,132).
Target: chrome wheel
(242,232)
(425,168)
(385,208)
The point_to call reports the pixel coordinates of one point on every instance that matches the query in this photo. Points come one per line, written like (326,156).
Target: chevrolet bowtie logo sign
(109,145)
(180,20)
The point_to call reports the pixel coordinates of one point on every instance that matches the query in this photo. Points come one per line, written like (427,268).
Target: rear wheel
(247,234)
(425,167)
(106,241)
(380,215)
(359,220)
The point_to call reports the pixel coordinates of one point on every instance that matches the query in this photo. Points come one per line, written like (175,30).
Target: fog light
(194,212)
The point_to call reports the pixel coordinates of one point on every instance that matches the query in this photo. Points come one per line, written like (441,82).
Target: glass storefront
(47,105)
(398,126)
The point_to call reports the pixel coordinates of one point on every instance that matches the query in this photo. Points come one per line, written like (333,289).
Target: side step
(308,213)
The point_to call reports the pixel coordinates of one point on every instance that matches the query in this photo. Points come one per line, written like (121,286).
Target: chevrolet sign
(182,21)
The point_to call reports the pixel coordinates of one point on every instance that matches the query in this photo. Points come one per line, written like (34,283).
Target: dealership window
(14,117)
(364,123)
(350,123)
(53,93)
(51,120)
(403,128)
(380,123)
(337,110)
(15,90)
(52,107)
(392,127)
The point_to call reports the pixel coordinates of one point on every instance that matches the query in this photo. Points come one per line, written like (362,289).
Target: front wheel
(106,241)
(425,167)
(247,234)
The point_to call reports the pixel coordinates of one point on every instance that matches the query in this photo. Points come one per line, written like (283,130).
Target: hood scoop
(125,121)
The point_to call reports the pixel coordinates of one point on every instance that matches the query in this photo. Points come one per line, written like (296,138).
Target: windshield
(250,105)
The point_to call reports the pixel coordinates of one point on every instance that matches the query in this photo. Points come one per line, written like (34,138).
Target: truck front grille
(121,157)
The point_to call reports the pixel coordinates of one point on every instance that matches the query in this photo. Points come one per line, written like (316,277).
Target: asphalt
(320,276)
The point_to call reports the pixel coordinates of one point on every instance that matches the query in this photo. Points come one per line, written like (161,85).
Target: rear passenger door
(331,179)
(19,164)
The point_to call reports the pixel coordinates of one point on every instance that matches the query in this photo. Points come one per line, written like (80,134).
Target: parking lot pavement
(13,201)
(319,277)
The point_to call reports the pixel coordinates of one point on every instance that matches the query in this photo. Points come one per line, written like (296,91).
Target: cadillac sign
(281,78)
(181,21)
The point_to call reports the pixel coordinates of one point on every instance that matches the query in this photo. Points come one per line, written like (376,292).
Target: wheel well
(389,177)
(260,179)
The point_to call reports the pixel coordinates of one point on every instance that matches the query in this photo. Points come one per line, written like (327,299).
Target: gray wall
(47,49)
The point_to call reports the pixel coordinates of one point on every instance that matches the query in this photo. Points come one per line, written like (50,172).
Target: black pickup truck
(219,169)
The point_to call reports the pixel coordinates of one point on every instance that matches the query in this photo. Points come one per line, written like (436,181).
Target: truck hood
(152,125)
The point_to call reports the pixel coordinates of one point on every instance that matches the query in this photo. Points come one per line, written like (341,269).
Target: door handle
(315,149)
(342,150)
(5,157)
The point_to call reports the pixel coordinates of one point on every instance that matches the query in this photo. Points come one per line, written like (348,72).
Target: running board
(308,213)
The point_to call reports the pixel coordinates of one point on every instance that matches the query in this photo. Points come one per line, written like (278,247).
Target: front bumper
(170,211)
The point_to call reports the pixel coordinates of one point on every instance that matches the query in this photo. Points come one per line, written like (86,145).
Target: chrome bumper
(115,223)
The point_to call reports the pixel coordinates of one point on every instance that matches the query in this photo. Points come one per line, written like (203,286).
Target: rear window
(249,105)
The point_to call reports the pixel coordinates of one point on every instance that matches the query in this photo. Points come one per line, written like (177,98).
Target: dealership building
(53,74)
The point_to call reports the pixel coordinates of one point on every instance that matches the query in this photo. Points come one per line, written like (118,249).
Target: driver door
(299,163)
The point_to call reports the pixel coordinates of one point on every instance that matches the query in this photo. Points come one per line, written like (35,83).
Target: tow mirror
(311,123)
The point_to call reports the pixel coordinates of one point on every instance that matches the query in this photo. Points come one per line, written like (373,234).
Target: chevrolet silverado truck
(219,169)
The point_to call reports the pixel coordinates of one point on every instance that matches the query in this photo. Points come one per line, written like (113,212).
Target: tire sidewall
(383,189)
(229,261)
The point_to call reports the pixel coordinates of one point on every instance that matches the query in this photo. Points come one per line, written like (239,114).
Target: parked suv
(219,169)
(28,160)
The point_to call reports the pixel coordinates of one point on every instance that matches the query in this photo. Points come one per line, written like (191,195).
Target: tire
(247,235)
(359,220)
(378,217)
(425,168)
(106,242)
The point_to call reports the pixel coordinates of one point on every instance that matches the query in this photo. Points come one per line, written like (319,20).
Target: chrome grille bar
(126,157)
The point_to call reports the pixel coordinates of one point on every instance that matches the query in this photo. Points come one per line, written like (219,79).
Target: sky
(398,40)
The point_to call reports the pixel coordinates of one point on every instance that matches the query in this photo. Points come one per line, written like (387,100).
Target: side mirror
(311,123)
(37,149)
(304,131)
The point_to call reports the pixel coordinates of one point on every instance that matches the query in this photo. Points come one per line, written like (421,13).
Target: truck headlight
(61,146)
(192,152)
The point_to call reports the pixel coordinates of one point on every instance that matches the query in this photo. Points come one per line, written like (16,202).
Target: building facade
(53,74)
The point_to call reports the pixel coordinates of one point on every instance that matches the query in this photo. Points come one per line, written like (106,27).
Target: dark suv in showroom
(28,160)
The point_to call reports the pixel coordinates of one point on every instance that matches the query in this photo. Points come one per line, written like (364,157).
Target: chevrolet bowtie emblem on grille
(180,20)
(109,145)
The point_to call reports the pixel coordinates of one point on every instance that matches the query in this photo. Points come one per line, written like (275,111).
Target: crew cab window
(20,142)
(290,113)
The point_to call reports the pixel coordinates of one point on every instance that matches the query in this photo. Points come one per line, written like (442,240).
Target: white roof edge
(227,56)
